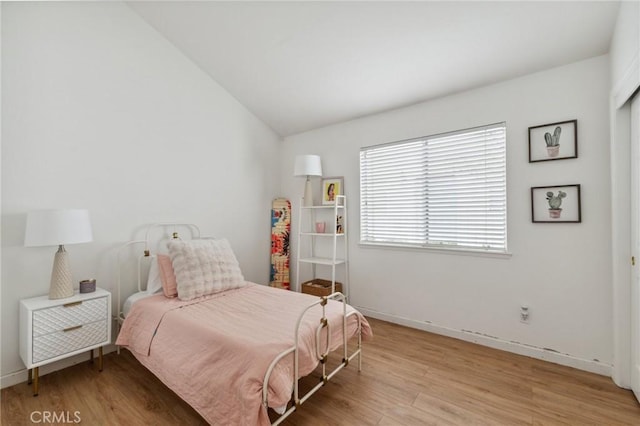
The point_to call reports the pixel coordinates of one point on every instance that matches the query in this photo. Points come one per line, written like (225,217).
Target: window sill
(443,250)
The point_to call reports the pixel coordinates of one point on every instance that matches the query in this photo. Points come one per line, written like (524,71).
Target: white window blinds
(447,190)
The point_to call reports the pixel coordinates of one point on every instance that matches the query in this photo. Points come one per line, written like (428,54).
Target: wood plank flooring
(409,377)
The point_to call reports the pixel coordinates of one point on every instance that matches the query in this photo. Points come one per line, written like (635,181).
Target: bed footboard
(320,355)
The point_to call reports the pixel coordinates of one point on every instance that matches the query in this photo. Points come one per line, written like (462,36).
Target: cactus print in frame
(555,141)
(556,204)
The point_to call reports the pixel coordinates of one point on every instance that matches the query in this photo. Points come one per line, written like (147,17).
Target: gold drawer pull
(72,328)
(68,305)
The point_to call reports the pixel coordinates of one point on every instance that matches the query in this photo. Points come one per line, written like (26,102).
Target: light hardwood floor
(409,377)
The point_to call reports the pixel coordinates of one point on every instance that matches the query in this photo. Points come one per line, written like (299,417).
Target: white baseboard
(21,375)
(492,342)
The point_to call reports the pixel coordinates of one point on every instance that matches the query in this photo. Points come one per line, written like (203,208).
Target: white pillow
(154,282)
(204,267)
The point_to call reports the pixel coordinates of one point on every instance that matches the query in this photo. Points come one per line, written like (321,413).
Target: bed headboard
(134,257)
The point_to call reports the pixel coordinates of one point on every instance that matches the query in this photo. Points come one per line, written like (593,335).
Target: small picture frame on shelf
(556,204)
(339,225)
(331,188)
(554,141)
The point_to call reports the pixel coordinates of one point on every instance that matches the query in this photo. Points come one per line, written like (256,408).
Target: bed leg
(359,346)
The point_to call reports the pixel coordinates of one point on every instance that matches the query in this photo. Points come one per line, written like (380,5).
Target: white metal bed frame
(322,357)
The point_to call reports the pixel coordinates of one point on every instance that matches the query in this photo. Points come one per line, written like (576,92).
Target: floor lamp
(308,165)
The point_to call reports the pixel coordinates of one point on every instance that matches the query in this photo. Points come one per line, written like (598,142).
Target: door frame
(635,245)
(620,163)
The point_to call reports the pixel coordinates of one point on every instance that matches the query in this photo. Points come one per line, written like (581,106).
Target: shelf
(329,244)
(322,261)
(328,206)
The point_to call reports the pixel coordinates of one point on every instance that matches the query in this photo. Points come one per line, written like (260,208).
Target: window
(446,190)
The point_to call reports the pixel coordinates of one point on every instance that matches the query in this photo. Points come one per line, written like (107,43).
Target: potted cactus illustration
(553,142)
(555,201)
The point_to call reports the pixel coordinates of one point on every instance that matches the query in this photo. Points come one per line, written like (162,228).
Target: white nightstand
(51,330)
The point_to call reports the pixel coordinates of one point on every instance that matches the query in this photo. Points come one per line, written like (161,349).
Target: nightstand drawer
(75,338)
(58,318)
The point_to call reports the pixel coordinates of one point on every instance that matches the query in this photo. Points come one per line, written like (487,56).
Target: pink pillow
(168,277)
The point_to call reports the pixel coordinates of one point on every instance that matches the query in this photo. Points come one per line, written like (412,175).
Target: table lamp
(307,165)
(57,228)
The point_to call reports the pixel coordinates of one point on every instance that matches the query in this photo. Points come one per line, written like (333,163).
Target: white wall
(625,79)
(562,271)
(101,112)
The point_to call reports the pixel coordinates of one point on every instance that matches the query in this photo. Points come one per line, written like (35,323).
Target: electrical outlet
(524,314)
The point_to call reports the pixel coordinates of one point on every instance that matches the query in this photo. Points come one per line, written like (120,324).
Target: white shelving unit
(309,239)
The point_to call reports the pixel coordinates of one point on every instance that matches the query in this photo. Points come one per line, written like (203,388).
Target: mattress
(133,299)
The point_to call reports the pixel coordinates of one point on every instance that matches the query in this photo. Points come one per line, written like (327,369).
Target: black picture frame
(546,210)
(553,141)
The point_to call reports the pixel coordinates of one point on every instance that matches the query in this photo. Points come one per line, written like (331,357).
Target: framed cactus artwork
(556,204)
(555,141)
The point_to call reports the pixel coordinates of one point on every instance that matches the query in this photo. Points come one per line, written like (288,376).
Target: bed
(234,353)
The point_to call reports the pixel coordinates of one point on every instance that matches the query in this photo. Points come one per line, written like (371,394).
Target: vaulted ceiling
(304,65)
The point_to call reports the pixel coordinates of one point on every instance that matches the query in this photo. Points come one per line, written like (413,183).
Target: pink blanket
(214,351)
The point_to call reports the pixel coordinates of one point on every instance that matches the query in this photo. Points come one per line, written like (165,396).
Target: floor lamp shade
(308,165)
(57,228)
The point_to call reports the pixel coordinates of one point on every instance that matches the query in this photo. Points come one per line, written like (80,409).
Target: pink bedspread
(214,351)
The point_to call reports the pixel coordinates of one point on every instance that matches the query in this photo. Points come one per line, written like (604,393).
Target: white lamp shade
(57,227)
(307,165)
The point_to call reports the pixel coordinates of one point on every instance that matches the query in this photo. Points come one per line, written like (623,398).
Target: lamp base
(61,285)
(308,194)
